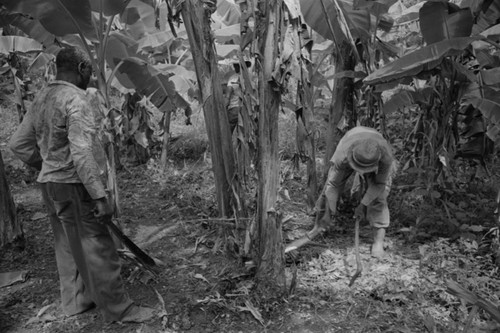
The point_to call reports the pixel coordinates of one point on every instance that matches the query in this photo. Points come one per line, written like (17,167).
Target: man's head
(74,66)
(364,156)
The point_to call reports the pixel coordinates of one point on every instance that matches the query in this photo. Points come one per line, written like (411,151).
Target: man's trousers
(87,261)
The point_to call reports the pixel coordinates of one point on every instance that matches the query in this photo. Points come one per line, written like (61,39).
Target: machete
(142,256)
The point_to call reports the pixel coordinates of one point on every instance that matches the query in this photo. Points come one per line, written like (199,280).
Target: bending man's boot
(378,243)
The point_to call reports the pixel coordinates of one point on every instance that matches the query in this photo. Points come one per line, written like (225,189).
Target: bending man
(365,151)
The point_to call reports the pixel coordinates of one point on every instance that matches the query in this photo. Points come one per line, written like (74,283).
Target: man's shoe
(81,309)
(138,314)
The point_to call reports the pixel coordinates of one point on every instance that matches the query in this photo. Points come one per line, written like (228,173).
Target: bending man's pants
(377,212)
(87,261)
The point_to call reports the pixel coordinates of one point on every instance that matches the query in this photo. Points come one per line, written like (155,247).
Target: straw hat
(364,155)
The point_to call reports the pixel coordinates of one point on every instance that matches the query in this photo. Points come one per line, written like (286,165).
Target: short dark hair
(69,58)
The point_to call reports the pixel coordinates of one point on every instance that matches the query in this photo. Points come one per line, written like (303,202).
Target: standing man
(365,151)
(58,134)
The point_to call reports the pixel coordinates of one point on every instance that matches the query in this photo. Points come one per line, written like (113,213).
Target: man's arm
(23,143)
(81,130)
(378,183)
(337,176)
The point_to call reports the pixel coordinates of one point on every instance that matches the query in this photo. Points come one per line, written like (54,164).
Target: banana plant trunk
(196,18)
(342,102)
(270,256)
(307,146)
(10,226)
(166,139)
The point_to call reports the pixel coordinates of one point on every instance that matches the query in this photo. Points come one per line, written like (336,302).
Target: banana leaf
(421,60)
(153,81)
(379,6)
(457,71)
(474,123)
(487,60)
(120,46)
(405,98)
(41,60)
(130,16)
(474,5)
(109,7)
(228,34)
(147,25)
(228,12)
(149,82)
(488,103)
(30,27)
(487,100)
(487,16)
(443,20)
(361,22)
(140,18)
(155,41)
(459,291)
(293,8)
(160,84)
(492,33)
(227,51)
(490,76)
(57,16)
(10,44)
(387,49)
(408,15)
(177,70)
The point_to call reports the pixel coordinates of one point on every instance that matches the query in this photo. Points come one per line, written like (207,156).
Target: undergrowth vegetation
(438,233)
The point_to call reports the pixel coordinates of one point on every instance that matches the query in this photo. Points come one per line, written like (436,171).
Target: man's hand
(360,212)
(103,207)
(325,221)
(323,215)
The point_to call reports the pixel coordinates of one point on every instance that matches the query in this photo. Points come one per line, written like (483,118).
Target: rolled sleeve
(81,130)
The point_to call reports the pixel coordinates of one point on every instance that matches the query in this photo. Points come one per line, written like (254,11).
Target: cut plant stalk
(459,291)
(308,237)
(298,243)
(359,266)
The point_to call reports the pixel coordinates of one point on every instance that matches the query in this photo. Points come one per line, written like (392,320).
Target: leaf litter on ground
(417,283)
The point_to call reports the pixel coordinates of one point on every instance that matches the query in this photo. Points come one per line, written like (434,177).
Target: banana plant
(460,75)
(13,49)
(91,22)
(32,28)
(157,65)
(352,25)
(10,225)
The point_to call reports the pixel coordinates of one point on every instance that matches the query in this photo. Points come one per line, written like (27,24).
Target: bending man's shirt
(340,169)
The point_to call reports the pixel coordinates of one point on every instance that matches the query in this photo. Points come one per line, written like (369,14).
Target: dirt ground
(204,286)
